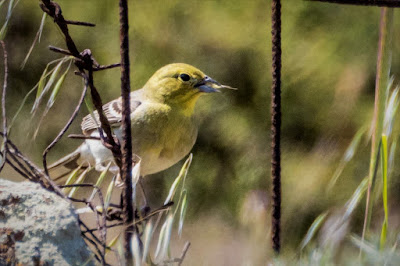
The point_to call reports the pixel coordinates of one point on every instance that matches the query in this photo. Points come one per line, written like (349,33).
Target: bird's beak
(208,85)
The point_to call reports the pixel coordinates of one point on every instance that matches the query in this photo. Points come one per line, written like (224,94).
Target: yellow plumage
(164,129)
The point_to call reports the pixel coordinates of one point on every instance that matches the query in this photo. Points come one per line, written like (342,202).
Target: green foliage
(11,5)
(385,111)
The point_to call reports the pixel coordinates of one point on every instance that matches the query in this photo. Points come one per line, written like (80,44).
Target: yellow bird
(164,129)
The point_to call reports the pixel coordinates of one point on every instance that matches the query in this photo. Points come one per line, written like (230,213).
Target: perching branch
(3,106)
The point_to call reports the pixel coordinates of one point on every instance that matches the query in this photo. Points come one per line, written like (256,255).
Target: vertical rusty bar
(126,147)
(276,124)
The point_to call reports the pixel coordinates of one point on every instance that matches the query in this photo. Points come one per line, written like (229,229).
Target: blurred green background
(329,63)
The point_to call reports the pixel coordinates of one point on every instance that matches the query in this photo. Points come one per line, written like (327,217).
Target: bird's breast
(161,137)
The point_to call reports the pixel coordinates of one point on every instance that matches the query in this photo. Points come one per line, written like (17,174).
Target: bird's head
(180,85)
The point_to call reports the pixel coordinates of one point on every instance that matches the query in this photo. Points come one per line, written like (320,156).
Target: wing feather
(113,112)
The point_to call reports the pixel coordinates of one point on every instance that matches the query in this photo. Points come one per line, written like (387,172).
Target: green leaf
(80,180)
(135,176)
(89,106)
(367,247)
(3,30)
(165,238)
(381,95)
(113,242)
(50,81)
(147,235)
(383,234)
(348,155)
(43,82)
(110,190)
(160,239)
(355,199)
(390,111)
(120,248)
(100,181)
(71,179)
(182,212)
(384,164)
(135,246)
(37,38)
(56,89)
(40,86)
(391,158)
(182,175)
(315,226)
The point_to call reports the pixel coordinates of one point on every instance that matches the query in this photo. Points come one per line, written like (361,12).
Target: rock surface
(37,227)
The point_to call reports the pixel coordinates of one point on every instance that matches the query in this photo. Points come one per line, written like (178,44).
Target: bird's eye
(184,77)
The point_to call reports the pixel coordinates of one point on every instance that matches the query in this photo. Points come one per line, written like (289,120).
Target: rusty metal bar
(276,117)
(126,148)
(379,3)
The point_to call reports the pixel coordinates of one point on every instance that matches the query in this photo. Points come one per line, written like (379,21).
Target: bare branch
(62,132)
(54,10)
(79,23)
(79,136)
(106,67)
(3,106)
(184,251)
(59,50)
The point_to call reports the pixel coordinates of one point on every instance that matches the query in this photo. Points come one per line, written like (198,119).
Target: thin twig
(80,185)
(79,136)
(3,106)
(184,251)
(31,176)
(18,170)
(108,226)
(62,132)
(54,10)
(96,239)
(94,242)
(102,226)
(98,68)
(78,200)
(59,50)
(95,246)
(38,174)
(181,258)
(138,221)
(79,23)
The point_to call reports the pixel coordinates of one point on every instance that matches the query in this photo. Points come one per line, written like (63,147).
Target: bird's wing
(113,113)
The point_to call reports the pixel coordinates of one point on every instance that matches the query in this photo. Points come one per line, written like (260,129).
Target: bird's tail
(70,161)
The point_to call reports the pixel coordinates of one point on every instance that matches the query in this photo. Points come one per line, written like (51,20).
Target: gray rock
(37,227)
